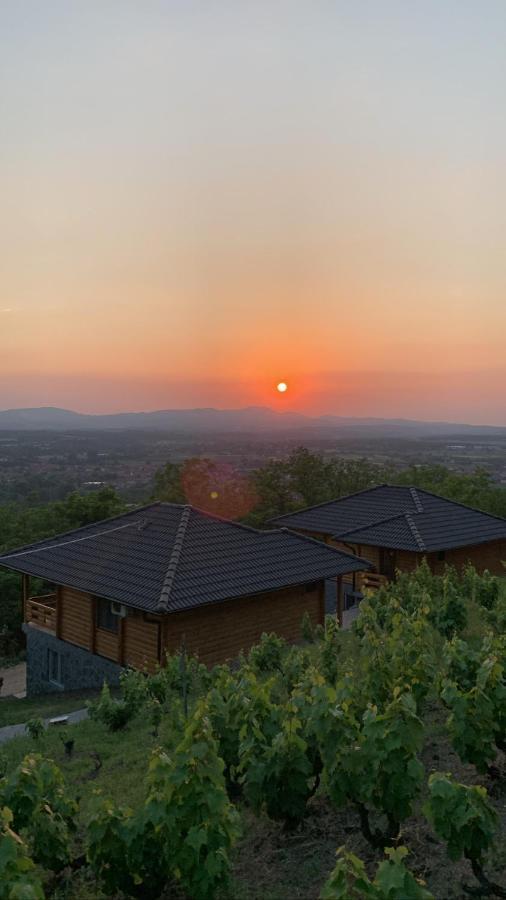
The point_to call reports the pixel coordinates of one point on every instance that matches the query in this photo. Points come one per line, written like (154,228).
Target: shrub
(35,794)
(266,656)
(464,818)
(35,728)
(17,871)
(307,629)
(115,714)
(393,881)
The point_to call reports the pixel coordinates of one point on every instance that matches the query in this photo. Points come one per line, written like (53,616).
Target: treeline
(305,479)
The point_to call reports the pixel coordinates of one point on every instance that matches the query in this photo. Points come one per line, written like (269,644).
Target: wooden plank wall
(219,632)
(76,617)
(482,556)
(140,642)
(107,644)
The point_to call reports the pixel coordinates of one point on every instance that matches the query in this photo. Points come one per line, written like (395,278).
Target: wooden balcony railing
(41,612)
(371,581)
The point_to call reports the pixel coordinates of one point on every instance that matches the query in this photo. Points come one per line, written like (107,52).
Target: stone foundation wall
(78,668)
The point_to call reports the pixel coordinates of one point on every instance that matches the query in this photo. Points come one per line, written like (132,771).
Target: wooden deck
(42,612)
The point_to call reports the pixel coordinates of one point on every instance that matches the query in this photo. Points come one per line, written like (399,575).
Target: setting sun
(282,387)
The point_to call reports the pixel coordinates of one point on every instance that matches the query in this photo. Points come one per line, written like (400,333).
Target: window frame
(104,617)
(54,673)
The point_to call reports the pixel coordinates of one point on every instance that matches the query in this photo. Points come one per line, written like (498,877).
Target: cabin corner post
(121,641)
(93,636)
(321,605)
(25,594)
(58,611)
(339,600)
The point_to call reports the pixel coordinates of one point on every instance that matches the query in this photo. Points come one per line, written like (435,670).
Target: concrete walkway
(14,681)
(12,731)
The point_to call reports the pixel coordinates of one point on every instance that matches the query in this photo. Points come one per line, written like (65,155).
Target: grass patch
(115,762)
(14,711)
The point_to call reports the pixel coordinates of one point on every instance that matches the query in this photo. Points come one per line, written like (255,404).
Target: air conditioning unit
(117,609)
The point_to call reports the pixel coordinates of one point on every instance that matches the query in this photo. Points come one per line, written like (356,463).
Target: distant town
(46,465)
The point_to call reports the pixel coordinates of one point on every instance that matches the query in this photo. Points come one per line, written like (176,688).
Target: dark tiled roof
(166,557)
(403,518)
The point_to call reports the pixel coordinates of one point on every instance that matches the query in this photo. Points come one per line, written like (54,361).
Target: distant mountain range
(250,419)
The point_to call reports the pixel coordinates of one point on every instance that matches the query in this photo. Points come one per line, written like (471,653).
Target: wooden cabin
(126,591)
(396,527)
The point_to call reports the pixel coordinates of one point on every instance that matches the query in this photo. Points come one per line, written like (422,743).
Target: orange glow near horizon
(312,201)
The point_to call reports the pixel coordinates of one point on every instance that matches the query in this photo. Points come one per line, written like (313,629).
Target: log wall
(76,617)
(220,631)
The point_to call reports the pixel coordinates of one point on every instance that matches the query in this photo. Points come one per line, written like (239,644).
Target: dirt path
(11,731)
(14,681)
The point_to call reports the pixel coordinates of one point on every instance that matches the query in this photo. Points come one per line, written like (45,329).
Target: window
(105,618)
(441,555)
(54,667)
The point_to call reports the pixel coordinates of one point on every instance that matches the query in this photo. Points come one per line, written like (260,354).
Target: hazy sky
(199,199)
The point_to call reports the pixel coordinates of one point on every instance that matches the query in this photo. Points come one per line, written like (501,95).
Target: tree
(167,484)
(477,489)
(306,478)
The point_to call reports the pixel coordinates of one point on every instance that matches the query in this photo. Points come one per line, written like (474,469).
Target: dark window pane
(105,618)
(53,666)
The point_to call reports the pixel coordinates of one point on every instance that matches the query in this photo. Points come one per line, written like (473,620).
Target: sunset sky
(202,199)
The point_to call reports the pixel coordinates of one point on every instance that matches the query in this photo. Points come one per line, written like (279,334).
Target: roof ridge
(296,512)
(414,531)
(416,500)
(168,581)
(344,534)
(307,537)
(464,505)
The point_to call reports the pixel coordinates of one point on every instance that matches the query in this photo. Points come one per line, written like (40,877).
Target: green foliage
(329,649)
(266,656)
(396,648)
(155,715)
(35,728)
(112,845)
(41,810)
(115,714)
(25,524)
(307,629)
(496,616)
(167,484)
(11,615)
(444,597)
(487,590)
(305,478)
(182,833)
(279,774)
(477,701)
(18,880)
(295,665)
(188,810)
(225,705)
(375,765)
(461,816)
(393,881)
(477,489)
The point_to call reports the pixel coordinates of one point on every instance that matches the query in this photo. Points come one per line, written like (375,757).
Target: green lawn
(119,768)
(13,711)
